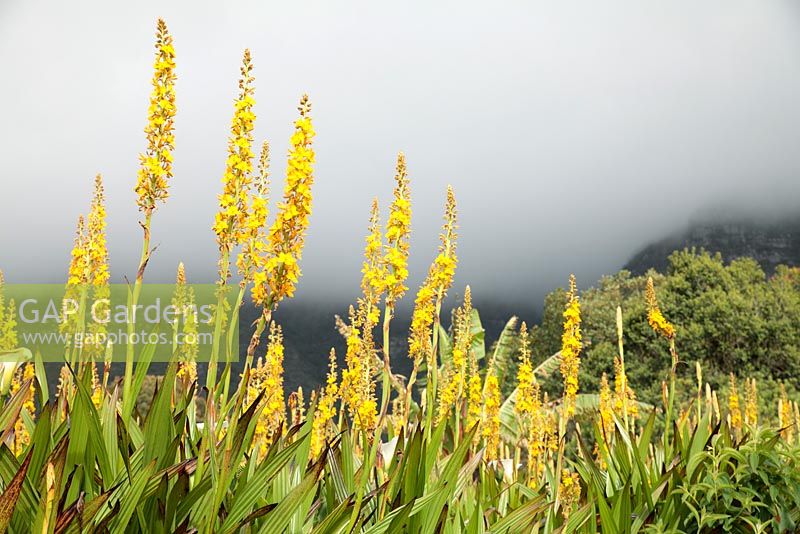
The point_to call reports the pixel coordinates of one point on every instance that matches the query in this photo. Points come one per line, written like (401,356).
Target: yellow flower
(571,348)
(785,418)
(434,289)
(451,393)
(475,398)
(267,376)
(79,262)
(734,409)
(325,411)
(156,162)
(97,269)
(253,232)
(525,379)
(372,284)
(751,403)
(491,417)
(279,265)
(655,318)
(97,250)
(606,409)
(231,220)
(398,229)
(358,387)
(624,396)
(569,492)
(186,317)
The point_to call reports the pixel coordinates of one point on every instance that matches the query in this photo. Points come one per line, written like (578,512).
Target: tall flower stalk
(229,223)
(424,332)
(278,268)
(154,173)
(395,261)
(571,346)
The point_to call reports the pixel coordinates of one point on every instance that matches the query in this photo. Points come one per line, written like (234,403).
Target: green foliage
(730,318)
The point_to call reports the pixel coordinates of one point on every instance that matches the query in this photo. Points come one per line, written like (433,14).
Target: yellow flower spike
(606,409)
(785,416)
(734,408)
(267,376)
(475,398)
(231,219)
(433,290)
(97,268)
(655,318)
(525,378)
(186,315)
(453,388)
(253,231)
(97,248)
(569,492)
(372,281)
(751,403)
(325,411)
(624,396)
(279,268)
(571,348)
(156,163)
(491,417)
(79,258)
(398,230)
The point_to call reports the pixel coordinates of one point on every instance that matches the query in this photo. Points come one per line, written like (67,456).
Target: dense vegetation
(729,318)
(442,450)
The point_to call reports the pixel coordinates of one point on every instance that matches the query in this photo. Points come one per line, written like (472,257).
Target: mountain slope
(771,243)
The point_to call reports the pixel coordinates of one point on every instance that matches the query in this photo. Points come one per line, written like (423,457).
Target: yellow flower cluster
(571,348)
(398,229)
(267,376)
(280,266)
(529,406)
(569,492)
(624,396)
(325,411)
(490,426)
(452,392)
(253,232)
(78,273)
(183,301)
(527,388)
(8,320)
(751,403)
(231,219)
(785,415)
(474,397)
(655,318)
(372,281)
(97,388)
(156,162)
(734,407)
(97,267)
(606,409)
(358,388)
(438,281)
(97,249)
(22,437)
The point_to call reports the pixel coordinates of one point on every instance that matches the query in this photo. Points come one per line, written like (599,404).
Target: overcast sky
(573,132)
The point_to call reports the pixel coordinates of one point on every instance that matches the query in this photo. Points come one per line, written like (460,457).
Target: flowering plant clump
(485,441)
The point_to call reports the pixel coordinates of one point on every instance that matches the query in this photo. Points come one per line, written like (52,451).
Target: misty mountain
(770,242)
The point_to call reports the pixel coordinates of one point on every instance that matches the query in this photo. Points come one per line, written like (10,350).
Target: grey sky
(573,132)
